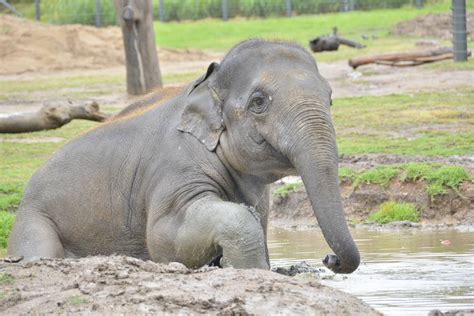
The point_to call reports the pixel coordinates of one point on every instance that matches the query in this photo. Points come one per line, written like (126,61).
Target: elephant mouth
(284,165)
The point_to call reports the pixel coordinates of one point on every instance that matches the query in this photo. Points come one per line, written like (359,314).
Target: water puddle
(405,272)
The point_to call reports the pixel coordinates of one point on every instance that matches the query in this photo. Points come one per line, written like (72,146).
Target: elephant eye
(258,102)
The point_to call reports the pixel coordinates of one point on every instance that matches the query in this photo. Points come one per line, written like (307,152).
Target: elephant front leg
(210,228)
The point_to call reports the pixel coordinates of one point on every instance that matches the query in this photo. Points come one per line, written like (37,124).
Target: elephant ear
(202,115)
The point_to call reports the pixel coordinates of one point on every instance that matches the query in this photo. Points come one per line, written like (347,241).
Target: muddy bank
(451,208)
(121,284)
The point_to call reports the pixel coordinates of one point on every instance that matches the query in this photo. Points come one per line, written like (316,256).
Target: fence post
(225,10)
(161,11)
(345,5)
(419,4)
(459,30)
(98,14)
(353,5)
(38,10)
(288,8)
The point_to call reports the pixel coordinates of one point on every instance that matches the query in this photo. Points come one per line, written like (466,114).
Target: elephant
(188,181)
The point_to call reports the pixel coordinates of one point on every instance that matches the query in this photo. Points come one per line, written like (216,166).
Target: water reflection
(405,272)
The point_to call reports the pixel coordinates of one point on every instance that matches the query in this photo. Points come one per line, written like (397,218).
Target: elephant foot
(216,262)
(332,262)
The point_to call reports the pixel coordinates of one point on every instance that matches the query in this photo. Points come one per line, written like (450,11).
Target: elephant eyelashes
(259,102)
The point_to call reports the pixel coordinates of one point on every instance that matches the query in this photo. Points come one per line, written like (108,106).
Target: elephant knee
(239,222)
(241,236)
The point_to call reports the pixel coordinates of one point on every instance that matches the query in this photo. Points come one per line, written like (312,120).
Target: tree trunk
(50,117)
(136,20)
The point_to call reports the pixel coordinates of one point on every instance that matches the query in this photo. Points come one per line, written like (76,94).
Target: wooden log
(50,117)
(403,59)
(136,20)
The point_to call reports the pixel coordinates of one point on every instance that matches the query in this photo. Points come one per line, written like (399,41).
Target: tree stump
(136,21)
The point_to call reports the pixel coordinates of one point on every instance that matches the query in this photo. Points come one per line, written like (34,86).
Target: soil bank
(451,208)
(120,284)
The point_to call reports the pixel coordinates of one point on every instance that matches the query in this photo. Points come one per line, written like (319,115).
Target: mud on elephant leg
(212,227)
(34,237)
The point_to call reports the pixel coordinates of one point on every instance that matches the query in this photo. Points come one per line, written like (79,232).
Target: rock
(302,267)
(403,224)
(459,312)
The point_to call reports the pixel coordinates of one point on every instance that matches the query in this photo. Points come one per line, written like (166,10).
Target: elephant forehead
(288,71)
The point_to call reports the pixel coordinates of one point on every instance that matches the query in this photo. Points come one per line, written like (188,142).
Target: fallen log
(404,59)
(50,117)
(331,42)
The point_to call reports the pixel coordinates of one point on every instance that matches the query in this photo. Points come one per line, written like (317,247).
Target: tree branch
(51,117)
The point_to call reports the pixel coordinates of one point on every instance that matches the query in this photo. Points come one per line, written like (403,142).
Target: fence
(101,12)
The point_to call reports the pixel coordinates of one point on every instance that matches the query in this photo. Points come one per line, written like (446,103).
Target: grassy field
(430,124)
(218,35)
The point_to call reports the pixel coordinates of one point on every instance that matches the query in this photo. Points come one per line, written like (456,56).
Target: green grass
(6,279)
(180,78)
(220,35)
(438,177)
(215,34)
(392,211)
(78,86)
(10,196)
(380,175)
(429,124)
(77,300)
(6,223)
(451,65)
(77,82)
(285,190)
(347,175)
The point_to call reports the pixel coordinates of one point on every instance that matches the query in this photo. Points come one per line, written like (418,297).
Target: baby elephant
(188,180)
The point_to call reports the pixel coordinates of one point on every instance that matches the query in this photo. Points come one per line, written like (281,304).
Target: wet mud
(120,284)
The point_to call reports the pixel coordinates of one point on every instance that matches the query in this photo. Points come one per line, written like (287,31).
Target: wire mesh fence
(101,12)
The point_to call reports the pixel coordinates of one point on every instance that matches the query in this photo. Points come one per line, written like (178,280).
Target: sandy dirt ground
(118,284)
(372,80)
(33,51)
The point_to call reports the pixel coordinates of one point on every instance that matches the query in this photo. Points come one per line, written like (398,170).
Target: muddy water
(404,272)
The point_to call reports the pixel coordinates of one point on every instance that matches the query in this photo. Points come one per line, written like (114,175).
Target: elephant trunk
(314,155)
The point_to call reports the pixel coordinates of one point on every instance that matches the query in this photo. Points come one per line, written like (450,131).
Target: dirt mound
(121,284)
(449,208)
(31,46)
(433,25)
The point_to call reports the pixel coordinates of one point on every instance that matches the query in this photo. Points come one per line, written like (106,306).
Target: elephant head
(266,110)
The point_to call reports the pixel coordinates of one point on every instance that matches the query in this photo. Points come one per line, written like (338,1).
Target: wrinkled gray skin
(188,181)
